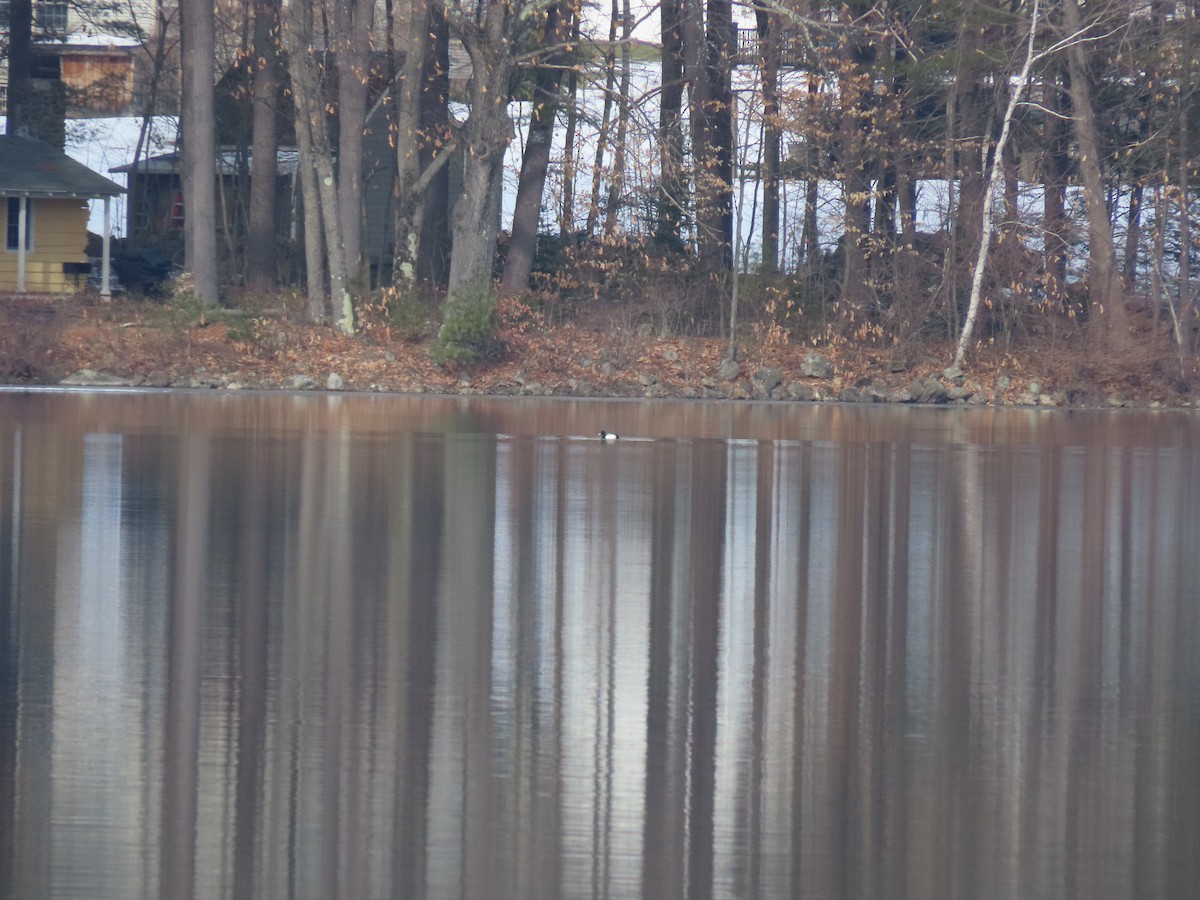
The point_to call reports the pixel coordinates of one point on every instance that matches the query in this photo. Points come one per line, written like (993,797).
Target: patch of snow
(106,143)
(84,39)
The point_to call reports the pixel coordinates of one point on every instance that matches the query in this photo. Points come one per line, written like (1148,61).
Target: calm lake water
(324,646)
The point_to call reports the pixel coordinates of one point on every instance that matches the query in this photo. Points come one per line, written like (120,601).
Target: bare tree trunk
(949,286)
(310,119)
(995,179)
(905,253)
(671,187)
(314,242)
(1156,262)
(891,158)
(965,182)
(261,230)
(854,99)
(437,141)
(486,136)
(198,157)
(884,222)
(810,239)
(1054,218)
(1104,283)
(856,192)
(708,62)
(353,20)
(616,184)
(423,143)
(1187,299)
(235,215)
(974,130)
(768,22)
(1133,233)
(719,40)
(610,86)
(566,218)
(409,208)
(1137,202)
(522,246)
(20,64)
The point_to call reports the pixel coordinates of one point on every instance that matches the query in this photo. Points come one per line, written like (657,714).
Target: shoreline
(92,380)
(82,342)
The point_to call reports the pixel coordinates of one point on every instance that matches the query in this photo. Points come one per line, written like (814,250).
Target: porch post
(105,290)
(22,225)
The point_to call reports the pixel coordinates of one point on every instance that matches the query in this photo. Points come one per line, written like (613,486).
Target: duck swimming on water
(608,436)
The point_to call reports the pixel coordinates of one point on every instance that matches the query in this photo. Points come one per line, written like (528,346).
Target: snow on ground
(105,144)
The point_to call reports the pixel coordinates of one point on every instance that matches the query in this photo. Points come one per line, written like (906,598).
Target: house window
(13,232)
(51,17)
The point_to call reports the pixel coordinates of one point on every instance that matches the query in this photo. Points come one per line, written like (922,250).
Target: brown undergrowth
(602,348)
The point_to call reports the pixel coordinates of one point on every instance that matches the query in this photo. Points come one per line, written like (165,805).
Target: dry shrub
(392,314)
(28,336)
(650,284)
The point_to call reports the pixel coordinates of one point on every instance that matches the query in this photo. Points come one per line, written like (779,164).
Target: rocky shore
(729,382)
(79,343)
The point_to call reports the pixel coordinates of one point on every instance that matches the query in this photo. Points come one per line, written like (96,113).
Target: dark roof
(163,164)
(226,163)
(30,168)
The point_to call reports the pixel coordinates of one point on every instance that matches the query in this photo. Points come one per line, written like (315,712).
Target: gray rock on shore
(928,390)
(766,380)
(728,369)
(92,378)
(816,366)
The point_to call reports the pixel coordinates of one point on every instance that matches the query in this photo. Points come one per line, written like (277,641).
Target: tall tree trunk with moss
(487,33)
(311,131)
(314,242)
(314,239)
(408,208)
(261,250)
(199,153)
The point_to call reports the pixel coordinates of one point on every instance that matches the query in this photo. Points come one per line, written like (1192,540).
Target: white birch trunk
(995,176)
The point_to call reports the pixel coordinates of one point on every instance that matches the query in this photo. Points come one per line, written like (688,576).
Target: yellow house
(43,198)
